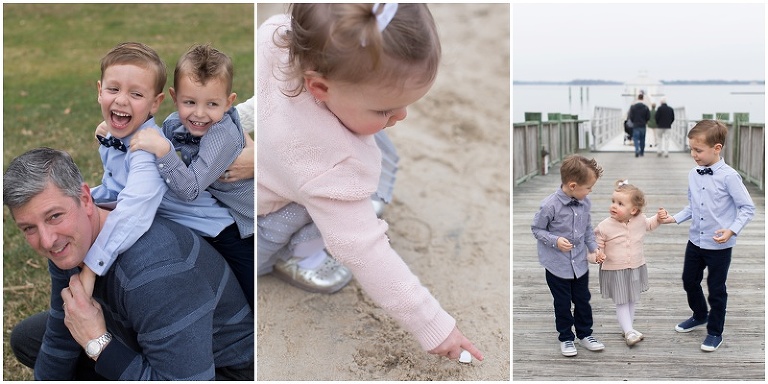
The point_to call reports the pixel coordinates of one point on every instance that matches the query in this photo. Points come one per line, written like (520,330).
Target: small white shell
(465,357)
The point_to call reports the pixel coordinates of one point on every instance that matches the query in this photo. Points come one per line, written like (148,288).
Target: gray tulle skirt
(624,285)
(280,231)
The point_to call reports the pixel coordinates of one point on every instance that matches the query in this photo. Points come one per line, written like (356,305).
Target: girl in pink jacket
(330,78)
(623,273)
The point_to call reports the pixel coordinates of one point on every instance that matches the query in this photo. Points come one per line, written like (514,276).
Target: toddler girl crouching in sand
(331,77)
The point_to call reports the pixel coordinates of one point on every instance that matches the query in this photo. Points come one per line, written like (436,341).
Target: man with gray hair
(168,308)
(665,116)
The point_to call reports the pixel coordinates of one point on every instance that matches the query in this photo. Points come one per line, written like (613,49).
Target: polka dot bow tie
(186,138)
(574,202)
(705,171)
(112,142)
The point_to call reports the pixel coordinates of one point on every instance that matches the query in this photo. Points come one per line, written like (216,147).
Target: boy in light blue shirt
(130,92)
(719,206)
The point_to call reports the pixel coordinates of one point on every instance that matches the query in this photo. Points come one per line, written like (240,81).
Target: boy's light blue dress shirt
(132,182)
(716,201)
(556,218)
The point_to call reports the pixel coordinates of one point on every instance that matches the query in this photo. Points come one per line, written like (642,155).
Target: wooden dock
(664,354)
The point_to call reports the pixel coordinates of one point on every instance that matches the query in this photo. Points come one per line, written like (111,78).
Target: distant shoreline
(662,82)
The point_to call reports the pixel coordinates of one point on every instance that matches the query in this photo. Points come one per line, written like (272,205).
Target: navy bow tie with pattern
(186,138)
(705,171)
(112,142)
(574,202)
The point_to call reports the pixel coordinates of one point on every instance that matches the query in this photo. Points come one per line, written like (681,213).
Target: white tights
(626,315)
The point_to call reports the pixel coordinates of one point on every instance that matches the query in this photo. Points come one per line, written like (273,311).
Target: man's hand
(241,168)
(454,344)
(82,315)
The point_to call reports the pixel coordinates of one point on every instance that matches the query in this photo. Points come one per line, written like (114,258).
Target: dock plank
(664,354)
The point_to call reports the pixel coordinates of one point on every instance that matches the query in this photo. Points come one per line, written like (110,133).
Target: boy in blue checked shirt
(205,138)
(130,92)
(563,228)
(719,206)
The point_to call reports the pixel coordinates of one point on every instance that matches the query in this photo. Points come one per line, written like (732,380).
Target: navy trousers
(717,262)
(565,292)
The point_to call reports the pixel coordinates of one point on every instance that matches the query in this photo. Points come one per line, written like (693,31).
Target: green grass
(51,55)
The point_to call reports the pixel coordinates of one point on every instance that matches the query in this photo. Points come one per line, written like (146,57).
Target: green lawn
(51,55)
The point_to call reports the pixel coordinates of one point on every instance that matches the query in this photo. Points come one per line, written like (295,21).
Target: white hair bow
(625,182)
(386,15)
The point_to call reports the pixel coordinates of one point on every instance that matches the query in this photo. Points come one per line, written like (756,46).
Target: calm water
(581,101)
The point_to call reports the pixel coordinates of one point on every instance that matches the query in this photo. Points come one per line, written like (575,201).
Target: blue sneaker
(690,325)
(711,343)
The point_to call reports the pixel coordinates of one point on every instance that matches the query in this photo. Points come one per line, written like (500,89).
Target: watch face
(93,348)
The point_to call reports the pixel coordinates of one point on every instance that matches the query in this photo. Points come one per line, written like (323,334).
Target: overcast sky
(563,42)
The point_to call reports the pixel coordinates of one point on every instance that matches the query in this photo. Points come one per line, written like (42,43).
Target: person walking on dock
(652,125)
(665,116)
(639,114)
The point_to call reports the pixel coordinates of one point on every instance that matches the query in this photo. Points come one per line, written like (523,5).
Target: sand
(449,221)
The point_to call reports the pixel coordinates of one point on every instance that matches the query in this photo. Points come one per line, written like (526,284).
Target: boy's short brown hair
(203,62)
(712,131)
(577,168)
(140,55)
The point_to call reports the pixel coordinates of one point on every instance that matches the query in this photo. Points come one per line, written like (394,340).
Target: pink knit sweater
(306,155)
(622,243)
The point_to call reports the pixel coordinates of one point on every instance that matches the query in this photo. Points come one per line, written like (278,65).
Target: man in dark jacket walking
(665,116)
(639,114)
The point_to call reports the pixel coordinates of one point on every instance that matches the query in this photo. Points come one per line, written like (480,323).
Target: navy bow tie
(574,202)
(705,171)
(112,142)
(186,138)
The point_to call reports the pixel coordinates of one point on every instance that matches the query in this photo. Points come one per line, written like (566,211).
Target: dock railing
(744,149)
(537,144)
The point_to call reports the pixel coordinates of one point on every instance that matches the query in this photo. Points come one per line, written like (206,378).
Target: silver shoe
(329,277)
(633,337)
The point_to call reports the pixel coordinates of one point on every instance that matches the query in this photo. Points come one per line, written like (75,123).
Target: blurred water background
(581,100)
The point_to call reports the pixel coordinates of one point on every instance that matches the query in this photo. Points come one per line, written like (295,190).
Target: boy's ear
(173,94)
(98,91)
(316,85)
(231,100)
(718,147)
(572,185)
(156,103)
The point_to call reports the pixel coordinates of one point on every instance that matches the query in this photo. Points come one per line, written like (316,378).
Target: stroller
(627,133)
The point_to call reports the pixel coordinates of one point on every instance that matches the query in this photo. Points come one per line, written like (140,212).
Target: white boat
(650,87)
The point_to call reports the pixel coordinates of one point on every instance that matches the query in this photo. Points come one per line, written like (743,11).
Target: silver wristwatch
(94,347)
